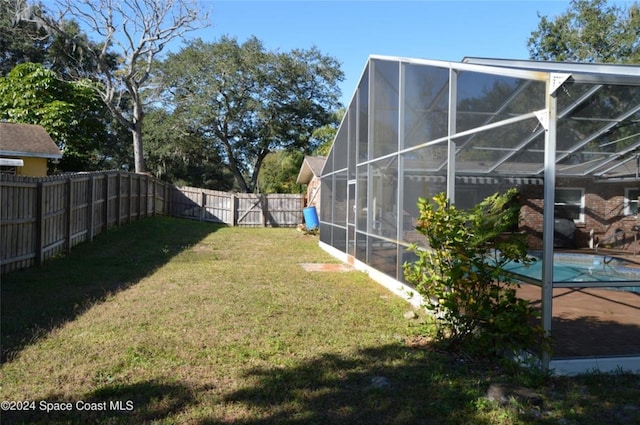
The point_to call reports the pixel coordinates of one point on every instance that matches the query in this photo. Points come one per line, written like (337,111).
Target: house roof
(311,167)
(27,140)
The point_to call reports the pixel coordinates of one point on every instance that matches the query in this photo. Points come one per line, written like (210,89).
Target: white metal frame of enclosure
(553,75)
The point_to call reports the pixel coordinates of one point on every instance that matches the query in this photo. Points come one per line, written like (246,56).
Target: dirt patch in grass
(326,267)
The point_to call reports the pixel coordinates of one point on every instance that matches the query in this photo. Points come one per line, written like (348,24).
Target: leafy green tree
(19,41)
(23,40)
(589,31)
(70,55)
(323,136)
(462,276)
(249,101)
(134,31)
(179,154)
(71,112)
(115,151)
(279,172)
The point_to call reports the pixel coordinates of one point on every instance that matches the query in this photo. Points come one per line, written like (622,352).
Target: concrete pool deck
(593,322)
(590,322)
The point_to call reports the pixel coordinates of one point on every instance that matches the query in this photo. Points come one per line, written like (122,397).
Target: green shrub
(461,275)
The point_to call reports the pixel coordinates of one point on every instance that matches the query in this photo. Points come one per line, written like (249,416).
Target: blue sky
(351,30)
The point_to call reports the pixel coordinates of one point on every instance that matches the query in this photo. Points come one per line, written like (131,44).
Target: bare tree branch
(136,31)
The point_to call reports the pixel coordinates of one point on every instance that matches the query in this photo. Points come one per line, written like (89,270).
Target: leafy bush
(461,275)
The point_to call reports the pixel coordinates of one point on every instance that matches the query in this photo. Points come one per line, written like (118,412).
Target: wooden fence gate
(237,209)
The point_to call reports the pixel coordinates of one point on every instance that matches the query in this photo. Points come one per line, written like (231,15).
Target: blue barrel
(311,218)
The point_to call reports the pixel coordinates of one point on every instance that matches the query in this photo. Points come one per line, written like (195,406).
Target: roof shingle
(28,140)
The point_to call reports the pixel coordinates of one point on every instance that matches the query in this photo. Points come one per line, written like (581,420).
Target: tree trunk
(233,165)
(136,127)
(138,156)
(256,168)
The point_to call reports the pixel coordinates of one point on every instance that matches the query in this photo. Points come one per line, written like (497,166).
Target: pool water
(582,268)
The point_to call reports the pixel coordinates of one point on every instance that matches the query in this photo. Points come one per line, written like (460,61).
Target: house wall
(33,167)
(604,213)
(313,193)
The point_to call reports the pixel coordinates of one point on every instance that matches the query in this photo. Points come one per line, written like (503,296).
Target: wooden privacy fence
(238,209)
(41,217)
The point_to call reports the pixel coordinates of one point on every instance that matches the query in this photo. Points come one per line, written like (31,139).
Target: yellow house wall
(33,167)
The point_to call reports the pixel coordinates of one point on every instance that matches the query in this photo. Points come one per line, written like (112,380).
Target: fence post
(39,223)
(234,209)
(141,199)
(130,198)
(144,200)
(90,208)
(154,196)
(264,209)
(172,194)
(69,212)
(105,210)
(119,199)
(167,193)
(203,205)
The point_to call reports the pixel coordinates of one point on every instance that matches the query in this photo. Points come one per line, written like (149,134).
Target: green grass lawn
(174,321)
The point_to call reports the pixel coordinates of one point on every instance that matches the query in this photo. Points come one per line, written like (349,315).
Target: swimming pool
(582,268)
